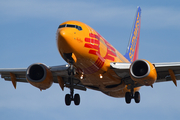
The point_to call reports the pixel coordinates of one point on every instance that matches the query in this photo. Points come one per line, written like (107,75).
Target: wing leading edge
(19,75)
(163,70)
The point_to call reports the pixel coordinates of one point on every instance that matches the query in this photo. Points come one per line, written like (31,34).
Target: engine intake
(143,72)
(36,72)
(39,76)
(140,69)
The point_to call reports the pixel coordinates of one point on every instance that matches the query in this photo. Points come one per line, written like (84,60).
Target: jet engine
(39,76)
(143,72)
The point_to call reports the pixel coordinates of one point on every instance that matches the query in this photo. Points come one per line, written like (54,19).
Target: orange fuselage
(91,55)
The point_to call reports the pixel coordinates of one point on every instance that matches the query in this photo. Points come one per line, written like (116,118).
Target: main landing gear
(130,95)
(71,97)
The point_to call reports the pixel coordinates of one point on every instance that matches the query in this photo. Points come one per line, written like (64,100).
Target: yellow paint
(74,57)
(46,83)
(67,43)
(72,40)
(173,77)
(150,79)
(132,47)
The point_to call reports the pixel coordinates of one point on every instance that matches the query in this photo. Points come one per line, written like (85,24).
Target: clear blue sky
(28,35)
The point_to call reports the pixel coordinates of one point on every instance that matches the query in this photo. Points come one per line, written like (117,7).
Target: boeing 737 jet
(94,63)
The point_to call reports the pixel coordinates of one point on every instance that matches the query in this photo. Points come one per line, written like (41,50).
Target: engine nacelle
(143,72)
(39,76)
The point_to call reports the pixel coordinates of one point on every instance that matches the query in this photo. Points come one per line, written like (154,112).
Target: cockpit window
(78,27)
(60,26)
(72,26)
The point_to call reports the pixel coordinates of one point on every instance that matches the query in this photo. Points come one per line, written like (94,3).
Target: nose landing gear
(71,97)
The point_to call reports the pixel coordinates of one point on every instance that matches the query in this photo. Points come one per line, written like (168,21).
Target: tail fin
(133,46)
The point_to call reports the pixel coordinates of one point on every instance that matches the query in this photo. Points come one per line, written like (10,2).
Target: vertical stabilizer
(133,46)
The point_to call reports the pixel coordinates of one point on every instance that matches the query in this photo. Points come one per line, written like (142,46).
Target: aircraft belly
(106,84)
(119,93)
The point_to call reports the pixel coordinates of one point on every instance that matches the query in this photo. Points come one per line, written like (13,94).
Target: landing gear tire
(128,97)
(137,97)
(68,99)
(76,99)
(71,97)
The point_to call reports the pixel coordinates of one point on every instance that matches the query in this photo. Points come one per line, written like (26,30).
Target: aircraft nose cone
(62,33)
(63,36)
(64,41)
(66,35)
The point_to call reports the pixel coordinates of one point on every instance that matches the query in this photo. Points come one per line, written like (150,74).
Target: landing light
(101,76)
(81,77)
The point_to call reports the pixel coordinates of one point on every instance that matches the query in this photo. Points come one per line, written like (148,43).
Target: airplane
(93,63)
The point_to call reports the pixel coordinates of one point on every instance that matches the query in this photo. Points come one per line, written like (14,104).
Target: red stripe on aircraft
(100,61)
(94,36)
(91,40)
(91,46)
(95,67)
(109,57)
(95,41)
(110,47)
(87,39)
(111,53)
(106,42)
(110,50)
(93,52)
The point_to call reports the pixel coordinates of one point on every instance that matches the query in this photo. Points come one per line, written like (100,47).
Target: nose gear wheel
(71,97)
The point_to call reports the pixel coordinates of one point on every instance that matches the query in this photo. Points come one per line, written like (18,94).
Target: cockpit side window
(72,26)
(60,26)
(78,27)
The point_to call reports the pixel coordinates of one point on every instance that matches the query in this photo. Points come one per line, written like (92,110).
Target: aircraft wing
(163,74)
(61,71)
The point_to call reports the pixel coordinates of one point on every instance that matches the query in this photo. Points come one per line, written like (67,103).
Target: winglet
(133,46)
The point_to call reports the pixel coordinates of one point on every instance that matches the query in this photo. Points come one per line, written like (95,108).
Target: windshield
(71,26)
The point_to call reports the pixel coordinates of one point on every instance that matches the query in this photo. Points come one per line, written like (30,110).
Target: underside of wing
(165,71)
(60,75)
(56,74)
(20,74)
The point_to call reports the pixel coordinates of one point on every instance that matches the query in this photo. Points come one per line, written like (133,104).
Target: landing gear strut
(71,97)
(130,95)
